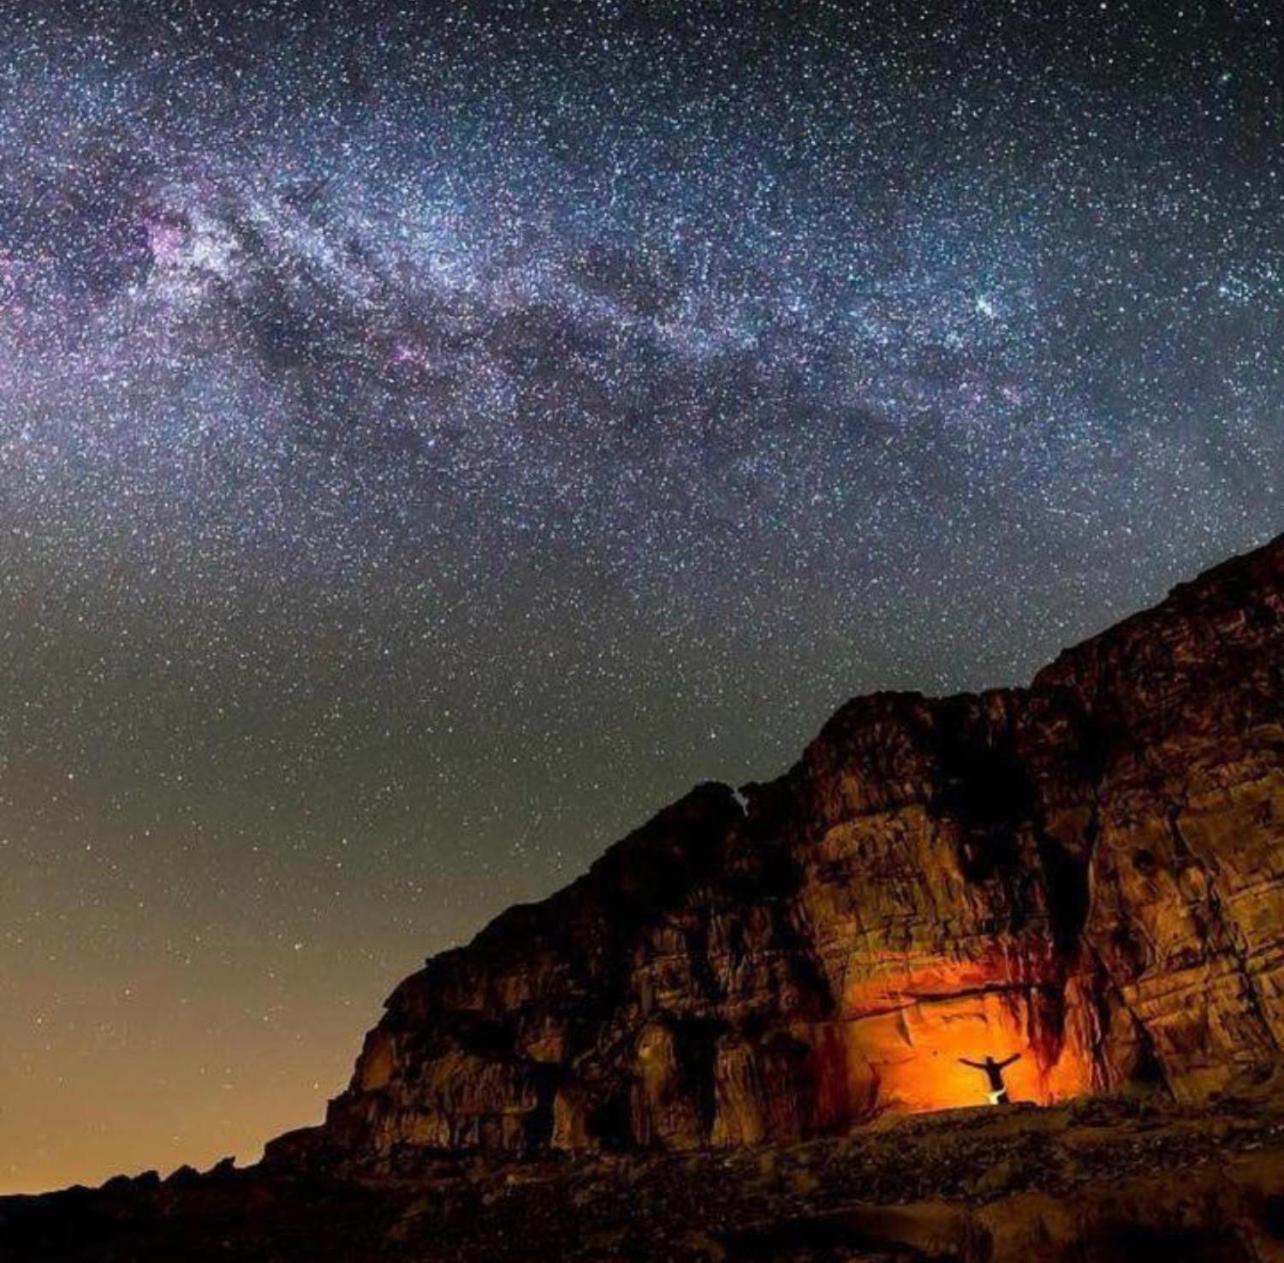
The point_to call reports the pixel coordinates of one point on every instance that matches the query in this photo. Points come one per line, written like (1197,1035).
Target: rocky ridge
(1086,871)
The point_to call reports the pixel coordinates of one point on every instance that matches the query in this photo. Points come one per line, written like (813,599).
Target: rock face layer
(1086,872)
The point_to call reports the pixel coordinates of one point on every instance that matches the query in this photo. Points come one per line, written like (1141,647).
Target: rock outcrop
(1087,872)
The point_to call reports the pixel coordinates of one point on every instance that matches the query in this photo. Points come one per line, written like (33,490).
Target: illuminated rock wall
(1087,872)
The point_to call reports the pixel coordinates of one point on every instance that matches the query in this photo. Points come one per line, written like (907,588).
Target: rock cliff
(1086,872)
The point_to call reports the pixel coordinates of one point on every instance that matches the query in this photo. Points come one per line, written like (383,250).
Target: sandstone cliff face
(1087,872)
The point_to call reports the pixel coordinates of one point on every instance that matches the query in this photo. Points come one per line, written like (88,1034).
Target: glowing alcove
(903,1046)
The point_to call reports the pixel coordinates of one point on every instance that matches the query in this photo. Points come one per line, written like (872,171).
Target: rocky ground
(1108,1179)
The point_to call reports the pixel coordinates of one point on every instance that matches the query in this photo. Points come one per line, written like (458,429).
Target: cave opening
(921,1054)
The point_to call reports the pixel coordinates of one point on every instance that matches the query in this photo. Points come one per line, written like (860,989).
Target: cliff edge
(1086,872)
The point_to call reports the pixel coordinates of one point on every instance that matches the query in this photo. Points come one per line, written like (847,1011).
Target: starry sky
(433,436)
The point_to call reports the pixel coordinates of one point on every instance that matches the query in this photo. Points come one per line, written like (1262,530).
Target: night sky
(434,436)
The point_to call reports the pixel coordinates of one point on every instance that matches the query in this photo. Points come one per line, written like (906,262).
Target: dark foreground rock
(1095,1179)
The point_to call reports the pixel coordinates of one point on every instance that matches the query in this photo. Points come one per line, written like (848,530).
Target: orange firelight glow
(903,1045)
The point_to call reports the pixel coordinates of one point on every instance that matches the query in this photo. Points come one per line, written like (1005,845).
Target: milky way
(432,437)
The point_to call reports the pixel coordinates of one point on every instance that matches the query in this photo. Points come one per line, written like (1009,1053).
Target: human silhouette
(998,1093)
